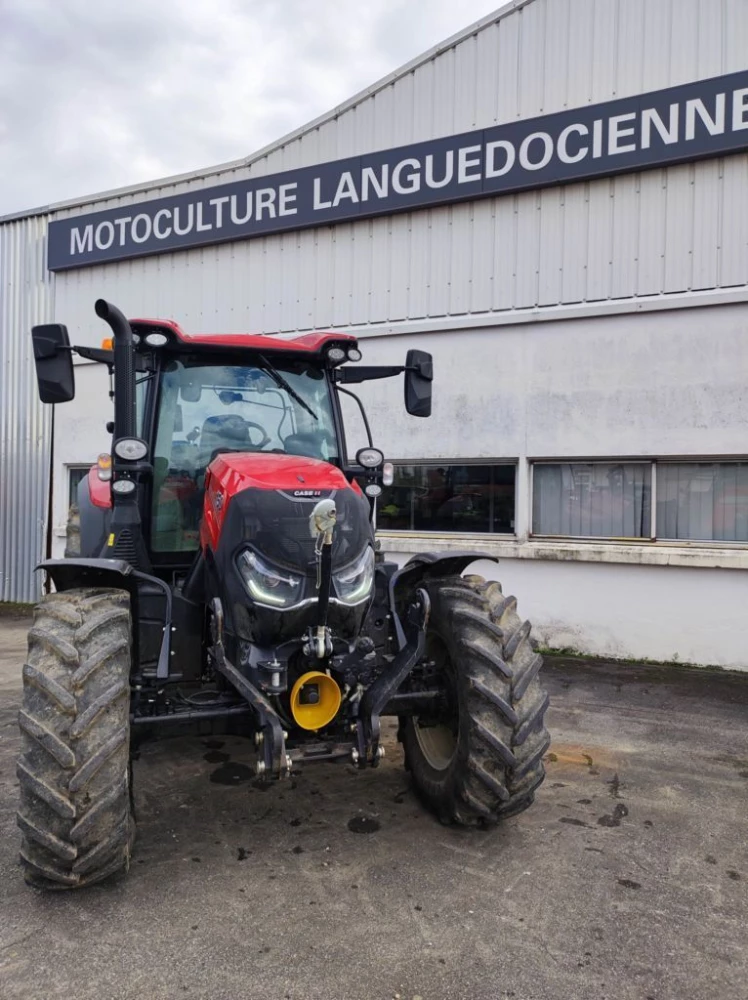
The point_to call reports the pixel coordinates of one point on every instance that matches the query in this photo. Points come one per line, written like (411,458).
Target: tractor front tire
(75,816)
(481,759)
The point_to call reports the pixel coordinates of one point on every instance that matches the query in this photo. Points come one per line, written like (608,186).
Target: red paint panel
(312,343)
(230,474)
(99,491)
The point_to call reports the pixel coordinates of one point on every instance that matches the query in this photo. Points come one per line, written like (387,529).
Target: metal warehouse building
(554,203)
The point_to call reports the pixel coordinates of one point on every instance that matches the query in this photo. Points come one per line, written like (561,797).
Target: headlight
(370,458)
(353,584)
(132,449)
(268,584)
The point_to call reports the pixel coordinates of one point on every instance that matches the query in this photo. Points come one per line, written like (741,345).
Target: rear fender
(95,518)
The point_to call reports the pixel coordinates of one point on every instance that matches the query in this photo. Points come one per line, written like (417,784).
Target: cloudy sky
(95,94)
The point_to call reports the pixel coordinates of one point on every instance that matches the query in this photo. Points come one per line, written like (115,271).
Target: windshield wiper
(283,384)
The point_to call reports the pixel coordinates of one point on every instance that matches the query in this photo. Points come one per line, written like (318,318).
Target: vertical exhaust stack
(124,368)
(125,540)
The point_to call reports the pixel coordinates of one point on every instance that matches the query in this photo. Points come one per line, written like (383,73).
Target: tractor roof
(308,343)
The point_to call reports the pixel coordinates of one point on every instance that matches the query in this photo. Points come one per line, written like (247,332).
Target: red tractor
(229,580)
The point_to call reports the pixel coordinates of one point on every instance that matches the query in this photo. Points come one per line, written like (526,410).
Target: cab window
(205,410)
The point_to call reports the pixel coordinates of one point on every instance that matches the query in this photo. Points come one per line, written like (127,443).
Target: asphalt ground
(628,877)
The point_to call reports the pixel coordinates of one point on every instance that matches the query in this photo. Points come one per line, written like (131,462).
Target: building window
(449,498)
(592,499)
(692,501)
(703,501)
(76,473)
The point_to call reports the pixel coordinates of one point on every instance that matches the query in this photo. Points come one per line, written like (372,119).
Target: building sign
(704,119)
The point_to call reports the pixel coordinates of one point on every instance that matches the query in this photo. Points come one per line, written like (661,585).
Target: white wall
(632,612)
(80,437)
(661,384)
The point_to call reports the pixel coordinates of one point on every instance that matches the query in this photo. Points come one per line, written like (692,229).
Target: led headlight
(123,486)
(354,354)
(269,584)
(370,458)
(335,355)
(131,448)
(156,339)
(353,584)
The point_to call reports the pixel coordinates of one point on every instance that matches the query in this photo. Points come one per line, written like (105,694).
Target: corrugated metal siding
(657,233)
(26,298)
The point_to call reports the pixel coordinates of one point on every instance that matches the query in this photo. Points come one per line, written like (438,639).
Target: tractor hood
(259,505)
(265,501)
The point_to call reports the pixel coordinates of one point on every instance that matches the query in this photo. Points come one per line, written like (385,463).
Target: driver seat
(227,431)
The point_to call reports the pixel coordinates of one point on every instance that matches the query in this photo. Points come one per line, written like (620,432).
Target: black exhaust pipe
(125,538)
(124,369)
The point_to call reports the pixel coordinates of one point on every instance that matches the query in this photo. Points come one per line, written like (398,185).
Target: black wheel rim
(437,736)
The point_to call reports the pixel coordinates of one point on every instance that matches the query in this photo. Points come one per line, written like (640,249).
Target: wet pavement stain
(615,786)
(615,820)
(363,824)
(628,883)
(735,876)
(710,859)
(572,822)
(216,757)
(213,744)
(230,774)
(242,853)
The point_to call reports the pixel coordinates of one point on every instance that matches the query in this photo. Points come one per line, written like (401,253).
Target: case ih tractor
(229,579)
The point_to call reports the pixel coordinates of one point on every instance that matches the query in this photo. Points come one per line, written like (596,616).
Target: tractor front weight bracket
(368,726)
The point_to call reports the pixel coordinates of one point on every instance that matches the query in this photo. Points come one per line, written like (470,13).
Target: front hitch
(376,697)
(272,759)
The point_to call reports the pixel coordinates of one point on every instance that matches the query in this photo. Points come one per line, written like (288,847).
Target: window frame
(653,463)
(71,467)
(452,462)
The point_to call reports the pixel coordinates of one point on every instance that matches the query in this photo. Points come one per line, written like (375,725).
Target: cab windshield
(278,406)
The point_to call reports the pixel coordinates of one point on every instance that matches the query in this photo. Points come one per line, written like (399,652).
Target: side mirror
(54,363)
(419,374)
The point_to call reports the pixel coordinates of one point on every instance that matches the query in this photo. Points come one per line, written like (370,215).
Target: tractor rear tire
(75,817)
(482,760)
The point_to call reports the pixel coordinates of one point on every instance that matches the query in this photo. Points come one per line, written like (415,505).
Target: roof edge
(497,15)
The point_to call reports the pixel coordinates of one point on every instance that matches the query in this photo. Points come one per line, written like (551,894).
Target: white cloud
(99,95)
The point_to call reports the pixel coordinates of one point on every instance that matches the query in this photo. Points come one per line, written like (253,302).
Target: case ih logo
(307,493)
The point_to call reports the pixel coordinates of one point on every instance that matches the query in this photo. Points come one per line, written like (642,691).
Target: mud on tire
(485,762)
(74,814)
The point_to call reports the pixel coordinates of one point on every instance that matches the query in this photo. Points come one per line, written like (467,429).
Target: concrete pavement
(627,879)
